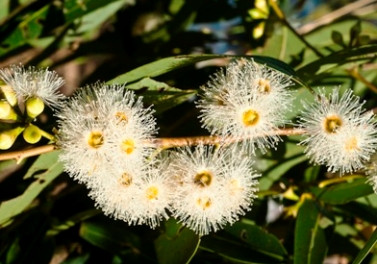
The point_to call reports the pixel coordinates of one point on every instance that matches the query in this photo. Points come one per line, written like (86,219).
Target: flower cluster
(107,138)
(106,134)
(248,102)
(213,187)
(340,134)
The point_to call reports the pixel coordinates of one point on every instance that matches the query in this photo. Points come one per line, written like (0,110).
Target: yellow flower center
(204,202)
(351,144)
(128,146)
(250,117)
(152,193)
(264,86)
(203,178)
(95,139)
(332,123)
(125,179)
(121,117)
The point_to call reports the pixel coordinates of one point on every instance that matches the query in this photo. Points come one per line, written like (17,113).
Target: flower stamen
(250,117)
(95,139)
(203,179)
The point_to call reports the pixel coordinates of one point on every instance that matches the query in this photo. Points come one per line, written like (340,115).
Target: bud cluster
(23,97)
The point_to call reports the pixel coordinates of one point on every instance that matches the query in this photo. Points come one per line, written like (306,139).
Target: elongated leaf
(363,211)
(41,164)
(366,249)
(165,65)
(344,192)
(160,94)
(258,239)
(51,169)
(310,245)
(337,59)
(75,9)
(234,250)
(98,16)
(274,169)
(111,237)
(177,245)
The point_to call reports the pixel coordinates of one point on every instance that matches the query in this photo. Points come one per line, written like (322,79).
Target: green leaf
(77,260)
(110,236)
(310,244)
(46,174)
(76,9)
(4,9)
(274,169)
(43,162)
(165,65)
(354,33)
(72,221)
(95,18)
(30,28)
(258,239)
(234,250)
(344,192)
(337,59)
(177,245)
(160,94)
(338,38)
(366,249)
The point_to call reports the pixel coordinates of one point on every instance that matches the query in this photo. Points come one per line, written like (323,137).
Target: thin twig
(19,155)
(213,140)
(356,74)
(330,17)
(163,143)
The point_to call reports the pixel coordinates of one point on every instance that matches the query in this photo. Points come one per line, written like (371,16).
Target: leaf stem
(356,74)
(337,180)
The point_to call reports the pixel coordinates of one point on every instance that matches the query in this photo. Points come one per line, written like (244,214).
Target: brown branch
(158,142)
(330,17)
(213,140)
(19,155)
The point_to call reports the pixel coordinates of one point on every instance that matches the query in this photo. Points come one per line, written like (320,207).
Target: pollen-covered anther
(264,85)
(351,144)
(235,186)
(332,123)
(121,117)
(128,146)
(95,139)
(250,117)
(203,178)
(125,179)
(204,202)
(152,193)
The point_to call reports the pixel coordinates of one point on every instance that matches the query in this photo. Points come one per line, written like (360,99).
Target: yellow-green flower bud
(34,106)
(9,94)
(7,112)
(32,134)
(8,137)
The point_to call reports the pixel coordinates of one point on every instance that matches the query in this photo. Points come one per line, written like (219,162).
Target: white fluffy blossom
(213,187)
(92,129)
(32,82)
(136,196)
(246,101)
(340,135)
